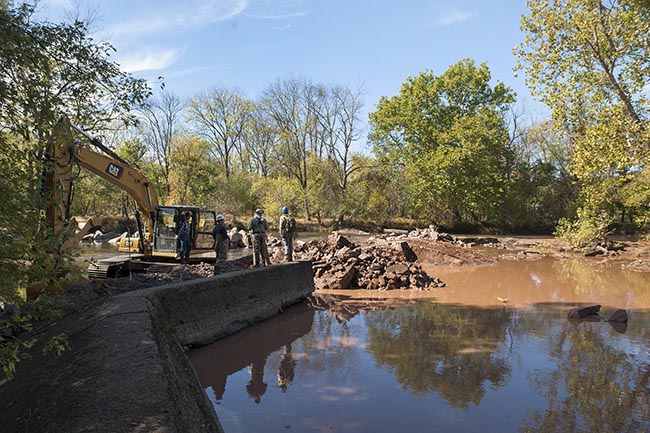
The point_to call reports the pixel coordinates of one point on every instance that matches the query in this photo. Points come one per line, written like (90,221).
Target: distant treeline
(453,149)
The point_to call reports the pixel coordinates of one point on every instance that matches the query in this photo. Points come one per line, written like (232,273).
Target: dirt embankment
(383,262)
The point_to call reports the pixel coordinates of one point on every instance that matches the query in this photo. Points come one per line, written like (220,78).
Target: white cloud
(196,13)
(279,16)
(277,9)
(192,71)
(190,14)
(149,60)
(452,17)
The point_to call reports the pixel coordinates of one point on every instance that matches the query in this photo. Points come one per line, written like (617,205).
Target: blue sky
(198,44)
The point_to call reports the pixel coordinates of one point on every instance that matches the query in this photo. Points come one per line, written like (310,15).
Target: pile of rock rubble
(432,233)
(339,263)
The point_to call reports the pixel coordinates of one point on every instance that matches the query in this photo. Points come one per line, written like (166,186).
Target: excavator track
(114,267)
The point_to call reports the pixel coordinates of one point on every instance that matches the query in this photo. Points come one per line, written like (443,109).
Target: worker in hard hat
(221,244)
(259,227)
(287,232)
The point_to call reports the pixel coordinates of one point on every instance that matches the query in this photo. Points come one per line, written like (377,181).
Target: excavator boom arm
(124,176)
(64,152)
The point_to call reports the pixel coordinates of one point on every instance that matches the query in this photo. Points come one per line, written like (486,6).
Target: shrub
(588,228)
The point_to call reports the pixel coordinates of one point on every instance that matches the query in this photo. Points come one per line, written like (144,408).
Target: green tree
(324,192)
(192,175)
(53,69)
(338,110)
(449,134)
(375,192)
(260,142)
(589,61)
(542,187)
(47,70)
(290,105)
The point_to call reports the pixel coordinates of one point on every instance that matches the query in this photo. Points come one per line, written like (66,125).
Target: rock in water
(582,312)
(619,316)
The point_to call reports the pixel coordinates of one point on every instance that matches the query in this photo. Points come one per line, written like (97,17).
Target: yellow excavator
(69,149)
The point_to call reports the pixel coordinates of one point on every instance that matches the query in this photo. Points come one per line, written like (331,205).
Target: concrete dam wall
(128,370)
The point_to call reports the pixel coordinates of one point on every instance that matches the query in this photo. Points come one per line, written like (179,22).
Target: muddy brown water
(454,359)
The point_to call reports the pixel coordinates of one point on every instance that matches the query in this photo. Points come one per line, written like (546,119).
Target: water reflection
(256,387)
(252,348)
(286,370)
(422,366)
(452,351)
(596,383)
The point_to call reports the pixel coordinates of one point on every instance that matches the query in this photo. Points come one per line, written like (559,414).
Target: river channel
(493,351)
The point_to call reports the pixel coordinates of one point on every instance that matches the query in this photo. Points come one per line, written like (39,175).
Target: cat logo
(114,170)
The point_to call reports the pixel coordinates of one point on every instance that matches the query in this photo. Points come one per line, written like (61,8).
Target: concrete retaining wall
(128,371)
(200,313)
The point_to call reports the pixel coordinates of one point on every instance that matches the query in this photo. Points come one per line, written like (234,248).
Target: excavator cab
(167,223)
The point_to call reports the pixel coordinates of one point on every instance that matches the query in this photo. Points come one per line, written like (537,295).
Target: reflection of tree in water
(441,348)
(596,387)
(584,277)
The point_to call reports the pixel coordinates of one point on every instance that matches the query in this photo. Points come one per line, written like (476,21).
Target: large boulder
(583,312)
(100,237)
(619,316)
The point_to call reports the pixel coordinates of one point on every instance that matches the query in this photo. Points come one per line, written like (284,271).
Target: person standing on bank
(221,243)
(287,232)
(185,236)
(258,227)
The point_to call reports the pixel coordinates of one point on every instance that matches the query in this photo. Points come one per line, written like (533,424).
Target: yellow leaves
(610,146)
(587,60)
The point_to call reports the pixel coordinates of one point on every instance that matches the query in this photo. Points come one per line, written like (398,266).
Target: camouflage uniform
(287,233)
(258,226)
